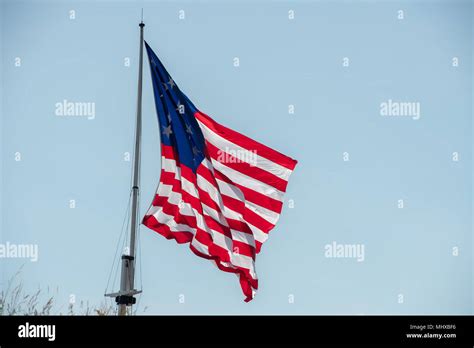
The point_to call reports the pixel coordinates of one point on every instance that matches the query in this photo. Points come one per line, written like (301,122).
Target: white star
(196,151)
(167,131)
(189,129)
(165,85)
(169,117)
(171,82)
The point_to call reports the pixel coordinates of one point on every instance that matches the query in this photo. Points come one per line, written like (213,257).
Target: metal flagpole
(125,297)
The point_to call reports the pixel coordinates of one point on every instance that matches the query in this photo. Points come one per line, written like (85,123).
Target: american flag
(219,190)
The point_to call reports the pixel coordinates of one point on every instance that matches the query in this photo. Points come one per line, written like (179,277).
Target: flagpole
(125,297)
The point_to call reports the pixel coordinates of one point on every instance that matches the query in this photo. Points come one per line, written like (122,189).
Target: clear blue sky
(408,251)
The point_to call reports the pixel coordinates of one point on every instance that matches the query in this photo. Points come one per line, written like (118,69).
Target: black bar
(126,300)
(208,330)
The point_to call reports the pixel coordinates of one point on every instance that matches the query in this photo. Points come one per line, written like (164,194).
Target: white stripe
(261,162)
(243,237)
(169,165)
(168,220)
(200,247)
(228,190)
(189,187)
(187,210)
(218,239)
(173,198)
(224,188)
(258,234)
(216,198)
(247,181)
(264,213)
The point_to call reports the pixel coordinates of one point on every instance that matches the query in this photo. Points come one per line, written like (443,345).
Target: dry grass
(14,301)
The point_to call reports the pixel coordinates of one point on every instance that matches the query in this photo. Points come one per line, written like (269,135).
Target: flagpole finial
(141,23)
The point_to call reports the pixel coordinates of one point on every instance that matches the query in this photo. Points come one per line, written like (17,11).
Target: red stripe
(220,254)
(186,197)
(246,142)
(237,206)
(249,216)
(201,235)
(249,194)
(192,201)
(168,151)
(253,196)
(245,168)
(245,282)
(173,210)
(243,249)
(180,237)
(216,252)
(230,202)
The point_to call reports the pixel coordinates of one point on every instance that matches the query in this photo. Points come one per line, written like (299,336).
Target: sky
(381,94)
